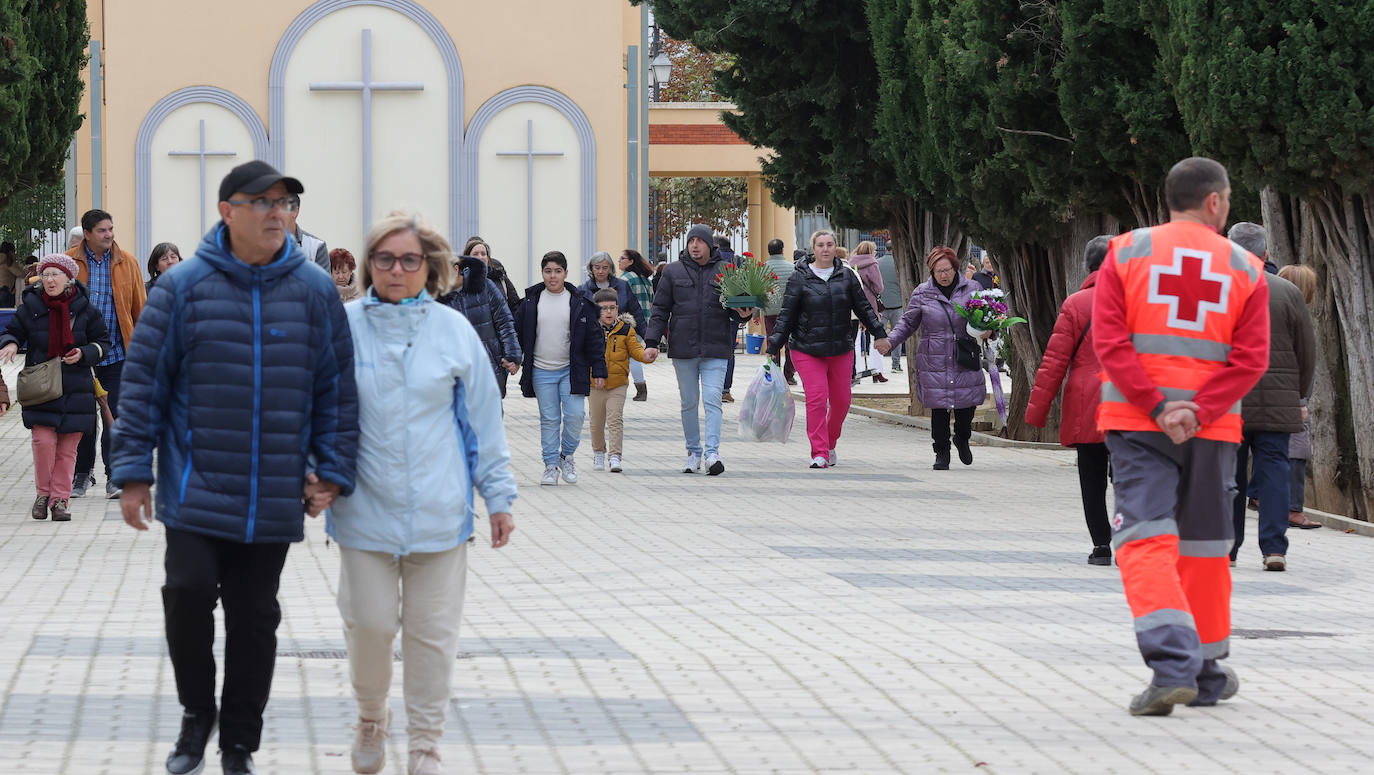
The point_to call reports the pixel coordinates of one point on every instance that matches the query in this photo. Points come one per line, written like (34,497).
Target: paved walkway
(877,617)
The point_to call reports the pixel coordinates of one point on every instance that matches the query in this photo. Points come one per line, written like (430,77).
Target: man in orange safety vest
(1181,325)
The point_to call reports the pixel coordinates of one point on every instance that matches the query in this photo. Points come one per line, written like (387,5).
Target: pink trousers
(826,382)
(54,461)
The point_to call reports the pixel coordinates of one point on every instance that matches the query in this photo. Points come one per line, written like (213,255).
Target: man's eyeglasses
(262,205)
(410,262)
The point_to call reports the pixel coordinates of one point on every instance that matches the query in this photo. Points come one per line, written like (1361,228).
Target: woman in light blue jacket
(429,416)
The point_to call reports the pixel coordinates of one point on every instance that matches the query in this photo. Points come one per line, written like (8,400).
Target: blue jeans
(1269,481)
(700,380)
(558,406)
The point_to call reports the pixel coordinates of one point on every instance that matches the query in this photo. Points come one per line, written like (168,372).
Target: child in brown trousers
(608,403)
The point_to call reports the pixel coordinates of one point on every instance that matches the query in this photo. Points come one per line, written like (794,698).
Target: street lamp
(660,70)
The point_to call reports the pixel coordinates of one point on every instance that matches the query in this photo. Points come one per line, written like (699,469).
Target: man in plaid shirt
(114,280)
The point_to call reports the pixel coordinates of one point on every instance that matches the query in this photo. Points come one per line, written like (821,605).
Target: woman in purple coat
(941,383)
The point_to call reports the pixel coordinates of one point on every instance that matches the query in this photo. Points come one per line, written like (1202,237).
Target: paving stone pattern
(877,617)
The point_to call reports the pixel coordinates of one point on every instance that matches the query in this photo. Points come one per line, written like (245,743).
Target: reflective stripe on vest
(1112,395)
(1185,346)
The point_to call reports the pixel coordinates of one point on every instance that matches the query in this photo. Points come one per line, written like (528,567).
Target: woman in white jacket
(430,420)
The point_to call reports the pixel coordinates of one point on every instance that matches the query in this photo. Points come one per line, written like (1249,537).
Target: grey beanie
(702,232)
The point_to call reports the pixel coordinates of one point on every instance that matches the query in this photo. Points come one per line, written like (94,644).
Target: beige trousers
(422,595)
(608,413)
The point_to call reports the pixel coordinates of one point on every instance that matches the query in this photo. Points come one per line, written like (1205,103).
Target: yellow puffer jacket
(622,344)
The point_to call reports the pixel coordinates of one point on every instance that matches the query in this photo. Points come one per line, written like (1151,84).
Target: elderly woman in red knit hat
(55,320)
(942,383)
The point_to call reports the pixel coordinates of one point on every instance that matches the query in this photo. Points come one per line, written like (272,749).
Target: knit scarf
(60,340)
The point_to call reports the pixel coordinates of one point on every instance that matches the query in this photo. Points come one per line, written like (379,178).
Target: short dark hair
(722,242)
(553,257)
(92,218)
(6,247)
(798,254)
(774,247)
(606,294)
(1095,251)
(159,251)
(1191,181)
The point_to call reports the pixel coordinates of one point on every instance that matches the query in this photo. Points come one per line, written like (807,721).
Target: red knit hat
(59,261)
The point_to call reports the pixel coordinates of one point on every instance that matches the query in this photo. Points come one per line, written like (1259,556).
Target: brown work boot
(59,510)
(40,507)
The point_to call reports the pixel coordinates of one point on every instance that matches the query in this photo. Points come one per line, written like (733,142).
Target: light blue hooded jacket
(431,431)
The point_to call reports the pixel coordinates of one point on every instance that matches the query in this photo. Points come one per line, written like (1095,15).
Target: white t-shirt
(824,274)
(552,335)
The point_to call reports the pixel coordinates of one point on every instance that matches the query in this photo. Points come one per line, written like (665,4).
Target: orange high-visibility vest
(1185,287)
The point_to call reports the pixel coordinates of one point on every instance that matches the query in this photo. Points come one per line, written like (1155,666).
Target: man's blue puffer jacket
(242,377)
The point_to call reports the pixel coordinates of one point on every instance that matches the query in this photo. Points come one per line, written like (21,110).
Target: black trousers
(201,569)
(1094,463)
(939,426)
(109,377)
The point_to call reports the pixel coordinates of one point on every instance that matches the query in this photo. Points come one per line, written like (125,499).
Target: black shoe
(965,454)
(188,755)
(941,457)
(791,380)
(237,761)
(1102,555)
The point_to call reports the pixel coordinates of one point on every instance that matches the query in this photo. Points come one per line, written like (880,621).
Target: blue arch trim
(143,161)
(586,140)
(276,83)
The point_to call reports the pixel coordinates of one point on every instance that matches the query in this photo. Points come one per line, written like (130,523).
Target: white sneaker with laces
(425,763)
(550,475)
(569,469)
(599,461)
(693,464)
(615,465)
(819,462)
(832,459)
(713,465)
(369,744)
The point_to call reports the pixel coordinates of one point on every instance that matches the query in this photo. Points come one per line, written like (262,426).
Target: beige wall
(154,47)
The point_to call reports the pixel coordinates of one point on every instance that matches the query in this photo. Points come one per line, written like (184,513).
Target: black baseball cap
(255,177)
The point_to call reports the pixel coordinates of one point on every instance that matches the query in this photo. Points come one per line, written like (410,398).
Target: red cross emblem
(1189,288)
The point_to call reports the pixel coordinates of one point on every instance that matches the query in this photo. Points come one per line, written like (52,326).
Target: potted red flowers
(747,284)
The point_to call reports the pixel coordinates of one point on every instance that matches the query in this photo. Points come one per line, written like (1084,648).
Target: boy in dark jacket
(564,359)
(240,373)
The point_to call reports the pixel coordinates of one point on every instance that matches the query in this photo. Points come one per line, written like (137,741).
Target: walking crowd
(376,399)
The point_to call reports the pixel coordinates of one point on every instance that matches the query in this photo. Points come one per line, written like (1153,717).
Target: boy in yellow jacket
(608,403)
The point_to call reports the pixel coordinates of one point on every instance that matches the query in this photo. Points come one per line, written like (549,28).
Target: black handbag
(968,352)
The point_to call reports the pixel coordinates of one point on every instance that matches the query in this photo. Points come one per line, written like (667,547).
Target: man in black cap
(240,374)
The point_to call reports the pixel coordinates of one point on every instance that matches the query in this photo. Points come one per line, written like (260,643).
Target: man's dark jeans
(109,377)
(1270,479)
(201,569)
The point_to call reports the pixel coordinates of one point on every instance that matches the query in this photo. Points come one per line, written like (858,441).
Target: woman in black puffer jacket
(484,305)
(55,319)
(814,323)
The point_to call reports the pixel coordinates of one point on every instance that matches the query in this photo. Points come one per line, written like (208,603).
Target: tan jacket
(621,345)
(126,281)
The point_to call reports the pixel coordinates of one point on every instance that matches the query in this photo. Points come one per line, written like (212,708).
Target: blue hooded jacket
(242,376)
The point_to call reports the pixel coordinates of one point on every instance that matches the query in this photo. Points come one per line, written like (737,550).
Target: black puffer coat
(483,304)
(815,313)
(74,411)
(496,272)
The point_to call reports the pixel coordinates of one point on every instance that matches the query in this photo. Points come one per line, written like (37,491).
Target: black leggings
(939,426)
(1094,464)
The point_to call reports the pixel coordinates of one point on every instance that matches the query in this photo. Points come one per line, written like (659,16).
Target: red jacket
(1083,392)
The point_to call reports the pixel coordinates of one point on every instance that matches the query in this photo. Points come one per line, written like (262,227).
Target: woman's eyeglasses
(410,262)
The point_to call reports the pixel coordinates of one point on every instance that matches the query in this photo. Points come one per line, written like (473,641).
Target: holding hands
(318,495)
(883,346)
(650,354)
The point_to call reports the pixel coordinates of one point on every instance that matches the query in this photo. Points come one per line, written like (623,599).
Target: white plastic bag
(768,409)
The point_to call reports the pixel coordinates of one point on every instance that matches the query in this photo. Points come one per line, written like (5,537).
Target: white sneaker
(833,459)
(569,469)
(599,461)
(693,464)
(615,464)
(550,475)
(819,462)
(369,745)
(425,763)
(713,465)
